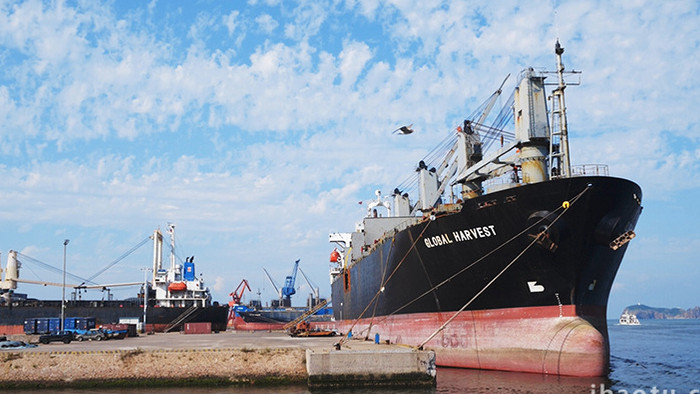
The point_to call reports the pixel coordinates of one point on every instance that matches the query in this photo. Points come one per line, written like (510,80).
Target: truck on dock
(303,329)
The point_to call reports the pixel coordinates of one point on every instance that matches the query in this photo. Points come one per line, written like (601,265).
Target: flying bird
(404,130)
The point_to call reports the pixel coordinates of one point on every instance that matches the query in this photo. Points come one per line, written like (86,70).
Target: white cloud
(353,58)
(266,23)
(111,120)
(230,22)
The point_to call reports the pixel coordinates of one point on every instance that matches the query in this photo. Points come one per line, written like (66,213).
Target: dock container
(69,323)
(132,321)
(54,324)
(42,325)
(30,326)
(131,330)
(85,323)
(198,328)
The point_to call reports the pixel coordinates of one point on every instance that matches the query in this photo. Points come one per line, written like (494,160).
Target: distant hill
(649,312)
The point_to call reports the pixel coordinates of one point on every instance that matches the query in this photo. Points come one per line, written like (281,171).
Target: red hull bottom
(547,340)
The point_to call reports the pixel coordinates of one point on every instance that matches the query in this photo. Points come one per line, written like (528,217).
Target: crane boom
(278,291)
(314,290)
(237,294)
(288,289)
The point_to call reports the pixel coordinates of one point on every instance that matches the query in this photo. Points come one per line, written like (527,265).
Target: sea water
(656,357)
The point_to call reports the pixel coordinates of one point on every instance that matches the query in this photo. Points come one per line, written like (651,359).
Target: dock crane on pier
(237,294)
(236,297)
(287,291)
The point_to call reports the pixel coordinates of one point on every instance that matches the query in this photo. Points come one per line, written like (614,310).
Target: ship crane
(466,150)
(237,294)
(9,282)
(287,291)
(277,290)
(314,289)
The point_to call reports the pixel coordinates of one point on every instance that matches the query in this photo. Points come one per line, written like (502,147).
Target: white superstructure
(177,286)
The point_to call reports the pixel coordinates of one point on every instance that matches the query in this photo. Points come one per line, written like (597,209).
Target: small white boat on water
(628,319)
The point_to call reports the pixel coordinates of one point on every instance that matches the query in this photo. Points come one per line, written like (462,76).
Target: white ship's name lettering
(460,236)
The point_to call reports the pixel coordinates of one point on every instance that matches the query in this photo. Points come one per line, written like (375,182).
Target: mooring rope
(385,265)
(564,207)
(527,229)
(381,288)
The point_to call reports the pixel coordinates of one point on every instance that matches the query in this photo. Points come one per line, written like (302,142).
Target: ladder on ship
(306,314)
(556,156)
(181,319)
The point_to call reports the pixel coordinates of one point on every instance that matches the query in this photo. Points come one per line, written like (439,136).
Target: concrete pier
(236,358)
(378,365)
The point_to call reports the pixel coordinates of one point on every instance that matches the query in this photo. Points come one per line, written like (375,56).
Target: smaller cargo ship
(174,296)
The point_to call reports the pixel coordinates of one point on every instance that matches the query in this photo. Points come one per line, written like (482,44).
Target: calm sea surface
(656,357)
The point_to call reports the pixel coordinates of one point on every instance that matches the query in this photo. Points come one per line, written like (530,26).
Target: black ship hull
(272,319)
(281,316)
(531,267)
(110,312)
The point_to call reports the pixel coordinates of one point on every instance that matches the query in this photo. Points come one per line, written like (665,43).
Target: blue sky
(257,126)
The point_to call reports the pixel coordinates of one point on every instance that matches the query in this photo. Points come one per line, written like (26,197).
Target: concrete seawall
(374,365)
(230,358)
(152,367)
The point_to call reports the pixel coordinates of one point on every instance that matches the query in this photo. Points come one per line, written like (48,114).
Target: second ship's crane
(287,291)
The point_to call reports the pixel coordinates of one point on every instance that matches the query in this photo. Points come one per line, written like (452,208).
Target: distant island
(649,312)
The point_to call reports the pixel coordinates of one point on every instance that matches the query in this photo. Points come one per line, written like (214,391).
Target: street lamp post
(145,295)
(63,297)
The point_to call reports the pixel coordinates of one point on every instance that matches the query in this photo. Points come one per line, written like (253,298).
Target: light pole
(63,297)
(145,295)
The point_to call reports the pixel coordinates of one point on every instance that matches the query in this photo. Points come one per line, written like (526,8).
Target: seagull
(404,130)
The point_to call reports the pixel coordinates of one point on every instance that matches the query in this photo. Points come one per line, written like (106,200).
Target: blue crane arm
(288,289)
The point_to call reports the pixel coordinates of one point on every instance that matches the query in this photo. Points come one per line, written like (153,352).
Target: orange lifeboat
(335,256)
(177,286)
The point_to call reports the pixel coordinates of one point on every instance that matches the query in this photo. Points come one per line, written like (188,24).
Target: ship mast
(157,253)
(558,95)
(171,231)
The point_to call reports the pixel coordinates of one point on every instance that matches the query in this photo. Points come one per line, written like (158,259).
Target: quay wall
(139,367)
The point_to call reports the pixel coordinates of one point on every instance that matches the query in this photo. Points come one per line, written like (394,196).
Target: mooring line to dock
(451,277)
(564,207)
(381,289)
(516,236)
(385,264)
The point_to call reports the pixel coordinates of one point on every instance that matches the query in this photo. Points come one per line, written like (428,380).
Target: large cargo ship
(507,259)
(174,296)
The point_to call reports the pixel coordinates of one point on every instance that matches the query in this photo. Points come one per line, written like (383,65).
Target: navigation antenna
(559,141)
